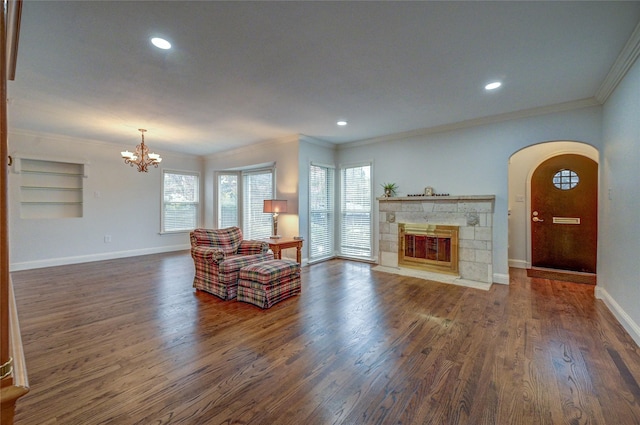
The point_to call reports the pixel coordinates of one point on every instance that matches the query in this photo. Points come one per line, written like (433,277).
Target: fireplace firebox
(428,247)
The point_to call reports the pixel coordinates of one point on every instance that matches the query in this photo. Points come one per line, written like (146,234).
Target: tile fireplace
(447,235)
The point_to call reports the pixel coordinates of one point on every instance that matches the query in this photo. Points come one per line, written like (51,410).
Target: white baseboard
(625,320)
(63,261)
(519,264)
(501,278)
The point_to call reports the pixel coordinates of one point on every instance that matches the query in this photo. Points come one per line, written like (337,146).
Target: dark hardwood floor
(130,342)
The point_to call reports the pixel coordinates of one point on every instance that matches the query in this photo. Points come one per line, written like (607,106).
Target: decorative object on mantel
(141,158)
(423,195)
(389,189)
(428,191)
(275,207)
(436,198)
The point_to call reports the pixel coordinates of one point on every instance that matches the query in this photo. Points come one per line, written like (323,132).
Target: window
(241,196)
(355,212)
(256,187)
(227,200)
(321,188)
(181,201)
(565,179)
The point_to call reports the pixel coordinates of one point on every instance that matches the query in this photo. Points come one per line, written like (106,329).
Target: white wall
(284,153)
(619,224)
(472,161)
(310,151)
(118,201)
(521,166)
(292,157)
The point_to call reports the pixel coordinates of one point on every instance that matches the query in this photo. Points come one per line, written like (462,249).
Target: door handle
(536,219)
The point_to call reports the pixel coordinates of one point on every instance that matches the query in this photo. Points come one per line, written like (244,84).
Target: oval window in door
(565,179)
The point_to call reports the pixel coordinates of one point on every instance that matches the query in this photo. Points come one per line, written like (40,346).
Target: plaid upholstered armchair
(219,254)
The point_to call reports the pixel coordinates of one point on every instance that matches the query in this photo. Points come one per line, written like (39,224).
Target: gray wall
(619,226)
(473,161)
(284,153)
(118,201)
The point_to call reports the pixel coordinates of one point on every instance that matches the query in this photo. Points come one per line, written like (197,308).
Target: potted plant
(389,189)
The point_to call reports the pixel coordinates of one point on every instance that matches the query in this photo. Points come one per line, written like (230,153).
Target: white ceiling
(244,72)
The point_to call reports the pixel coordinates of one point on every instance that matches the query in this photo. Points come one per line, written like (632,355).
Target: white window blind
(321,214)
(355,212)
(227,200)
(181,200)
(256,187)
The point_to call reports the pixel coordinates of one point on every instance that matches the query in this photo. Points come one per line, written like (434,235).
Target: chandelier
(141,157)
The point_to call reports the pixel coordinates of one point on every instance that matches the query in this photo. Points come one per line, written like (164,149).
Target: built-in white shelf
(50,189)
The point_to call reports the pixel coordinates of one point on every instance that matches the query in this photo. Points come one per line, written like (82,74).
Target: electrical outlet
(107,238)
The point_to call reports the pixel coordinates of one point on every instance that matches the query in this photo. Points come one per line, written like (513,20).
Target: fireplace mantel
(472,213)
(437,198)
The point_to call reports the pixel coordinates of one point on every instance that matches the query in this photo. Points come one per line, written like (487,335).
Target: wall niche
(50,188)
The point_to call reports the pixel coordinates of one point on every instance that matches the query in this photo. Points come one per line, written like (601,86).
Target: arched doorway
(521,167)
(564,214)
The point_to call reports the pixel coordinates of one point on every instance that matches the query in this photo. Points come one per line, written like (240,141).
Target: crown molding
(620,67)
(625,60)
(53,137)
(251,147)
(315,141)
(494,119)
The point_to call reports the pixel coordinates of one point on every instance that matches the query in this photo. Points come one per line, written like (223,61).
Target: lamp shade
(275,206)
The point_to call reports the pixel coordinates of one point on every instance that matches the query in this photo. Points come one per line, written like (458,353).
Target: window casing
(227,200)
(256,187)
(321,212)
(240,200)
(180,201)
(356,211)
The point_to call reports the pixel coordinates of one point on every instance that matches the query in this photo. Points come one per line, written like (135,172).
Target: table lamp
(275,207)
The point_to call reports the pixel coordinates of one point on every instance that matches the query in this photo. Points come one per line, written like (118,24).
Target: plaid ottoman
(264,284)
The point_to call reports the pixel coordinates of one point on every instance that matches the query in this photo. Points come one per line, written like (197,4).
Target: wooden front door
(564,213)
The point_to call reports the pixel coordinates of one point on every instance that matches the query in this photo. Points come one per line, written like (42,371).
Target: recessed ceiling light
(342,123)
(161,43)
(493,85)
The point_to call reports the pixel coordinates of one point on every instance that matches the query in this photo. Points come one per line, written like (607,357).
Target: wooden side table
(277,245)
